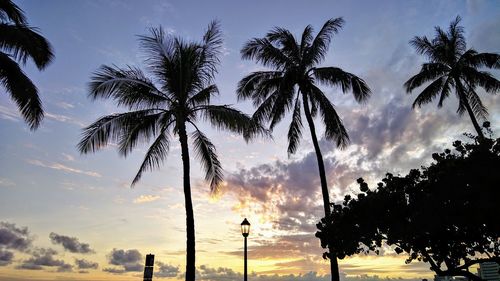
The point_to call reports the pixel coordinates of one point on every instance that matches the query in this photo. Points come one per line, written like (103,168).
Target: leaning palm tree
(18,43)
(292,84)
(452,66)
(177,99)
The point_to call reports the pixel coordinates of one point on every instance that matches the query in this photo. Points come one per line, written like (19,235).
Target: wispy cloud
(65,105)
(6,182)
(64,119)
(61,167)
(146,199)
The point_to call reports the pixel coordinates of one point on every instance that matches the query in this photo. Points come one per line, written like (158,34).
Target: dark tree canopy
(446,214)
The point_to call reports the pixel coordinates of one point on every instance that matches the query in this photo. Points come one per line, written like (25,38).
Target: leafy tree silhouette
(445,214)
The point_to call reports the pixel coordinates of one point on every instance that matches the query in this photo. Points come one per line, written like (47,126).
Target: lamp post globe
(245,230)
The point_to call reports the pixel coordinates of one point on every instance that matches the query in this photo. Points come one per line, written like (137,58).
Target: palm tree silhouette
(292,82)
(452,66)
(184,73)
(18,43)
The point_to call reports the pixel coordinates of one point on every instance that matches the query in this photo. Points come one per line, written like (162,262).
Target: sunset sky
(75,217)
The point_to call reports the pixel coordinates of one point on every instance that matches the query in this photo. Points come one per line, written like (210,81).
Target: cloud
(70,244)
(6,182)
(85,264)
(13,237)
(166,270)
(65,105)
(128,260)
(64,119)
(146,199)
(9,113)
(6,257)
(44,257)
(61,167)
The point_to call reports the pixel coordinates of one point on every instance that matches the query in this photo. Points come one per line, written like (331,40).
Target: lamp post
(245,230)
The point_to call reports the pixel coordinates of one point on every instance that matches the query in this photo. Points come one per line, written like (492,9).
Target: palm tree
(18,43)
(292,83)
(452,66)
(179,96)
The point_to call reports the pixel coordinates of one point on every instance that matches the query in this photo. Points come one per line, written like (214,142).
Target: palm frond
(156,154)
(295,129)
(334,129)
(23,42)
(477,60)
(306,39)
(207,154)
(319,47)
(203,96)
(282,104)
(129,87)
(9,11)
(334,76)
(445,91)
(224,117)
(424,46)
(264,52)
(428,72)
(286,42)
(258,85)
(159,48)
(263,112)
(109,128)
(430,92)
(211,49)
(141,130)
(476,104)
(481,78)
(22,91)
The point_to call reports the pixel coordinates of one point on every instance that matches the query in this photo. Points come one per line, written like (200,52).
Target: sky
(66,216)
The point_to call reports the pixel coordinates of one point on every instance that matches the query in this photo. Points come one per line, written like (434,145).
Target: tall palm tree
(292,83)
(452,66)
(179,97)
(18,43)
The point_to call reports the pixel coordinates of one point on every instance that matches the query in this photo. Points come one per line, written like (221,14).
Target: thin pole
(245,278)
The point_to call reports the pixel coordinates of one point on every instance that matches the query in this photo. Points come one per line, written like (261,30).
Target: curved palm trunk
(334,266)
(464,100)
(190,247)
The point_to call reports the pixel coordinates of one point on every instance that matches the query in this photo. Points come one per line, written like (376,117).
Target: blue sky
(46,186)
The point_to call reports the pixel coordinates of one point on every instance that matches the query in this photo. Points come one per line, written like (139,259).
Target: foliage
(18,43)
(445,214)
(452,66)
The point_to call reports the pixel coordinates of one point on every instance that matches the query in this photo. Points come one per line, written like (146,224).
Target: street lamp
(245,230)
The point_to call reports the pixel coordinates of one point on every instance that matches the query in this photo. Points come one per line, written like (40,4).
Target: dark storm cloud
(166,270)
(70,244)
(13,237)
(44,258)
(6,257)
(85,264)
(128,260)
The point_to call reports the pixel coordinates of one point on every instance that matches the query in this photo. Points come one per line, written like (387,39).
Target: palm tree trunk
(190,247)
(334,266)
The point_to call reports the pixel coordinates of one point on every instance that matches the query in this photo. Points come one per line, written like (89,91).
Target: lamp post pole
(245,230)
(245,276)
